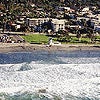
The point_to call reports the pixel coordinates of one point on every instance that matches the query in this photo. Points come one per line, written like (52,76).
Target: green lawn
(42,39)
(83,40)
(76,40)
(36,38)
(98,37)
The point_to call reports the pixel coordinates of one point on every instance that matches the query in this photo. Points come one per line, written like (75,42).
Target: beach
(26,47)
(67,71)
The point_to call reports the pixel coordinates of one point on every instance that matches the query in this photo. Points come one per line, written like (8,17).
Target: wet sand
(26,47)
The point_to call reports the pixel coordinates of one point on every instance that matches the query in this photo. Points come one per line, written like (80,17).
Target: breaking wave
(50,76)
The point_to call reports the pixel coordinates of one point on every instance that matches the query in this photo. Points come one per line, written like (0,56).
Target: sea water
(53,75)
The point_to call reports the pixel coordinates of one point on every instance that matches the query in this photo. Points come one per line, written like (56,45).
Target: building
(36,21)
(58,24)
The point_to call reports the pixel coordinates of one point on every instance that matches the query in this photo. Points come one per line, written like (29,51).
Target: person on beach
(50,42)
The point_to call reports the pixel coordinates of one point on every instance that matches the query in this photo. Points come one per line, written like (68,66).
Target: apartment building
(58,24)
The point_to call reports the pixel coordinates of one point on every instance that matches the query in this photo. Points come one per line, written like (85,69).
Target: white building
(36,21)
(58,24)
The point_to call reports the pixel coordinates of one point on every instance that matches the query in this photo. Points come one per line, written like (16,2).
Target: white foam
(74,79)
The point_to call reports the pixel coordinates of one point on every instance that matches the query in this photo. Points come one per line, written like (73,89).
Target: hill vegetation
(28,8)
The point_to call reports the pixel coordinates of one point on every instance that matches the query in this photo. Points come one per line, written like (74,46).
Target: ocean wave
(42,96)
(66,80)
(50,76)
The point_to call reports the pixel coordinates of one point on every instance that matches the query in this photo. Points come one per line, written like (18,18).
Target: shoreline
(26,47)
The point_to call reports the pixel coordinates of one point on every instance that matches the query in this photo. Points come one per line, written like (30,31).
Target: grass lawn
(75,40)
(98,37)
(36,38)
(82,40)
(42,39)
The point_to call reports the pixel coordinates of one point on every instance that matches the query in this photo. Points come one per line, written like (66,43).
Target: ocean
(50,75)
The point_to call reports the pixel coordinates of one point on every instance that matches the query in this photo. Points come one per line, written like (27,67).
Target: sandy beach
(26,47)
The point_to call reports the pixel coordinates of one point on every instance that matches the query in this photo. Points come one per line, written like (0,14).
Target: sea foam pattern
(61,77)
(74,79)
